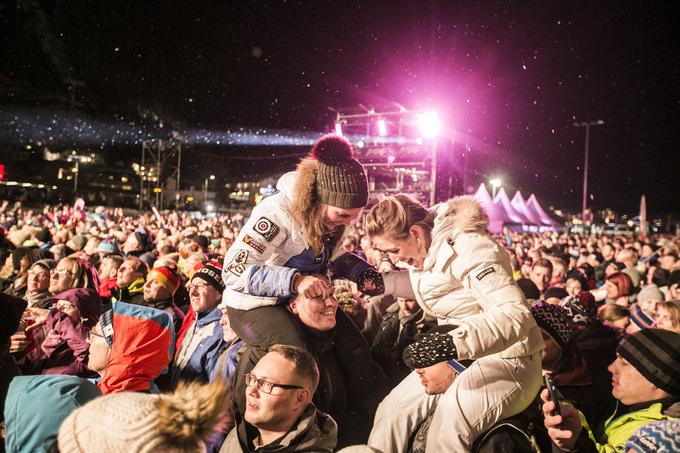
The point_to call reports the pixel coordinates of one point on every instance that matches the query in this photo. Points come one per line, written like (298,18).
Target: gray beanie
(650,293)
(341,180)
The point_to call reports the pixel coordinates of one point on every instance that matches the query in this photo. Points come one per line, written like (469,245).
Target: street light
(205,188)
(495,184)
(77,158)
(587,125)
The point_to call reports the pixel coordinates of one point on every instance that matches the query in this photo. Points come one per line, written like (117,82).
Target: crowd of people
(315,323)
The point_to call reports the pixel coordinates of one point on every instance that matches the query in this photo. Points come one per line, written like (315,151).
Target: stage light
(391,158)
(382,128)
(361,144)
(429,124)
(338,129)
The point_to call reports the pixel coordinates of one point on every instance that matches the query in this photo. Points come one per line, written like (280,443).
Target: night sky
(511,77)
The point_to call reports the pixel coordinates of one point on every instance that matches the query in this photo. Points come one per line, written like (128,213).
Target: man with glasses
(342,355)
(202,342)
(279,414)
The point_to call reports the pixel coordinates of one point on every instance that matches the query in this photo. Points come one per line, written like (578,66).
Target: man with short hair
(279,405)
(108,276)
(436,366)
(645,380)
(628,257)
(130,279)
(541,274)
(202,342)
(343,356)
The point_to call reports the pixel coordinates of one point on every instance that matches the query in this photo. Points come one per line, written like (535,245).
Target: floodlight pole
(433,173)
(587,125)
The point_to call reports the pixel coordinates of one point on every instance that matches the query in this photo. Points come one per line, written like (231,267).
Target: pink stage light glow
(429,124)
(382,128)
(338,129)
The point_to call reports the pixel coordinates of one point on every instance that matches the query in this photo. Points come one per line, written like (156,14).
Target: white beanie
(144,423)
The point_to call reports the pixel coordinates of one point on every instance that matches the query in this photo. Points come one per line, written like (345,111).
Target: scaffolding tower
(159,171)
(392,147)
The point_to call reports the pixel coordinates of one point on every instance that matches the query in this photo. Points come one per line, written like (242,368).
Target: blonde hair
(394,216)
(612,312)
(673,308)
(80,279)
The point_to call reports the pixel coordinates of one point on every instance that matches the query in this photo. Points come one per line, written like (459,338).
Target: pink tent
(534,206)
(502,202)
(520,206)
(496,217)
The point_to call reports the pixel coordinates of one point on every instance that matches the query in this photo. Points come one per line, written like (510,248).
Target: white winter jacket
(466,280)
(271,248)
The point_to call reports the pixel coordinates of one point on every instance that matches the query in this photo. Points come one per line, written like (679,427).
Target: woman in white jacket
(463,277)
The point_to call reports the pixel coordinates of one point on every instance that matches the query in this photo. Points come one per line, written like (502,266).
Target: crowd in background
(130,308)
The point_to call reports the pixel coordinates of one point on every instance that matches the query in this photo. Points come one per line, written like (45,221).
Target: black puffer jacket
(351,383)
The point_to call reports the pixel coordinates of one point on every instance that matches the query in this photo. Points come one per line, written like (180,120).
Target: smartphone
(550,385)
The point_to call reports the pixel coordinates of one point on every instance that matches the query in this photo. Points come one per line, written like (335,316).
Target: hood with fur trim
(462,213)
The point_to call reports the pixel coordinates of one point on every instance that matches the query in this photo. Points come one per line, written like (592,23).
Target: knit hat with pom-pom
(179,422)
(341,180)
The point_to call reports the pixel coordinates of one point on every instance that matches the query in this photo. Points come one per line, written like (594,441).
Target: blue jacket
(197,356)
(36,406)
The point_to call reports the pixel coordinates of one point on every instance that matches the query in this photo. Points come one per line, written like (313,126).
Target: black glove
(353,268)
(376,284)
(431,349)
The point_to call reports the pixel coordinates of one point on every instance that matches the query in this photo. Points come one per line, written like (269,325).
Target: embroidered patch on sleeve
(241,257)
(266,228)
(485,272)
(237,265)
(256,245)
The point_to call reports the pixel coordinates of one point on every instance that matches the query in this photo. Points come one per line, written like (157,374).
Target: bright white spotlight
(382,128)
(429,124)
(338,129)
(495,182)
(361,143)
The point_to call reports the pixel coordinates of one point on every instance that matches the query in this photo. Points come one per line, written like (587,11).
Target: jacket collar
(203,319)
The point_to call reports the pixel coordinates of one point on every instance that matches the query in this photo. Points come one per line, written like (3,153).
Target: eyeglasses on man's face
(265,385)
(198,286)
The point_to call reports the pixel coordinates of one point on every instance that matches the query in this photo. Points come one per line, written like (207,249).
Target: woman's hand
(39,316)
(311,286)
(563,429)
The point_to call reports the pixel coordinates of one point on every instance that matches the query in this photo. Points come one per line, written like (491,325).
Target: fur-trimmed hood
(300,186)
(462,213)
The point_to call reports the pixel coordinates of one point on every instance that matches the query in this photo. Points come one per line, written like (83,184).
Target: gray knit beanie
(341,180)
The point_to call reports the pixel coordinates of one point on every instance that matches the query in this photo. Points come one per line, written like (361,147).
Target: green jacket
(133,294)
(618,430)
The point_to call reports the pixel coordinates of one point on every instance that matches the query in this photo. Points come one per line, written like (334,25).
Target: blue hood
(36,406)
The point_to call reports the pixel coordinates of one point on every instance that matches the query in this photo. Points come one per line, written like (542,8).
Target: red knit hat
(166,276)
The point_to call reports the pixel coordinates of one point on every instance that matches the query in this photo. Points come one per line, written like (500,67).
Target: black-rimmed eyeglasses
(266,386)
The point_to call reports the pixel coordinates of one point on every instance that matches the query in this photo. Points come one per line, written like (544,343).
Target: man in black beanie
(645,381)
(434,361)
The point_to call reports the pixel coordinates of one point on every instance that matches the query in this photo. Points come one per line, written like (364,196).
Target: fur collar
(462,213)
(304,191)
